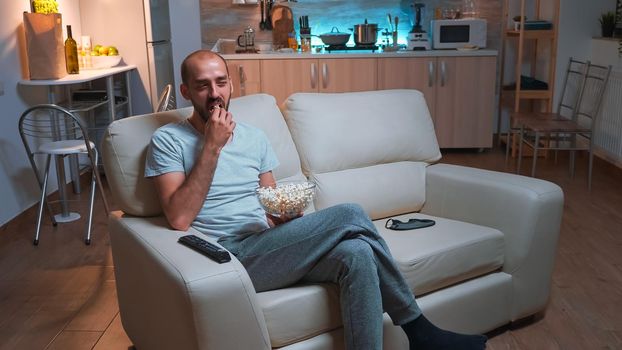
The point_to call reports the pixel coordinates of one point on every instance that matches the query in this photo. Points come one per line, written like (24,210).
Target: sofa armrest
(172,297)
(527,211)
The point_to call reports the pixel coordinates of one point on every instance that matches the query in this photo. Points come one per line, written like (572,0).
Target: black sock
(423,335)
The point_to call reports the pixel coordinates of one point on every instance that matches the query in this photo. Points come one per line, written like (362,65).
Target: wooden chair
(571,134)
(573,81)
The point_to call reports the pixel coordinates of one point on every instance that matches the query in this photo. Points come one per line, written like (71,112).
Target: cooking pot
(365,34)
(335,37)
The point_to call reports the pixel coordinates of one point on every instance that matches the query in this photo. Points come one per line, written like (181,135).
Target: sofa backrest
(124,148)
(261,111)
(370,148)
(125,142)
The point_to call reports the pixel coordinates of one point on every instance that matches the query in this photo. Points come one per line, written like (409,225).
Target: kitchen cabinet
(281,78)
(459,88)
(245,77)
(409,73)
(459,91)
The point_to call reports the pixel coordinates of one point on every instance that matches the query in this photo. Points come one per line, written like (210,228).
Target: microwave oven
(457,33)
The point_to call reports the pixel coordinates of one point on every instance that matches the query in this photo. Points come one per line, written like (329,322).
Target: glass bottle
(71,53)
(292,43)
(469,9)
(305,42)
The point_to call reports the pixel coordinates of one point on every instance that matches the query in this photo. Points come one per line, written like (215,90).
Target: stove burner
(371,47)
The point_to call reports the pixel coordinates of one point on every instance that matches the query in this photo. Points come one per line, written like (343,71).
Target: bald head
(198,56)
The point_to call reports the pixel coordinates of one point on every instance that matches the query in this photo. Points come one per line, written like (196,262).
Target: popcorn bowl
(287,199)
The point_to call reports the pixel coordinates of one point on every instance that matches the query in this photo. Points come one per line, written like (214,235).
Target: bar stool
(51,130)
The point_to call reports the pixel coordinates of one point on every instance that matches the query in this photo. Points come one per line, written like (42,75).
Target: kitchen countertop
(85,75)
(361,54)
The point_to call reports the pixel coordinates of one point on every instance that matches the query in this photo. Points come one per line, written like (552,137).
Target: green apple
(113,51)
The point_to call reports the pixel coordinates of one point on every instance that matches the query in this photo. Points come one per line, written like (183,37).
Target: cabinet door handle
(242,76)
(443,73)
(324,75)
(313,76)
(430,74)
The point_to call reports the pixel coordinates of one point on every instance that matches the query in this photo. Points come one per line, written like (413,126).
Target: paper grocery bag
(44,45)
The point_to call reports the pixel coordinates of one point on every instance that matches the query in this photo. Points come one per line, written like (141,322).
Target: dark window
(455,34)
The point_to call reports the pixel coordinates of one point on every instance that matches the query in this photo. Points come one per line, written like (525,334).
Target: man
(206,170)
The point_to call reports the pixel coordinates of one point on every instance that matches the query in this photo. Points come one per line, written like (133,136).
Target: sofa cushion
(444,254)
(430,259)
(350,141)
(382,190)
(353,130)
(126,140)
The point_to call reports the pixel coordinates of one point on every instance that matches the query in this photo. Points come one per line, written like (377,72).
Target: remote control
(206,248)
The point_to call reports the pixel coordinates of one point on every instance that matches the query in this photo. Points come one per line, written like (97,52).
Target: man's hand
(276,221)
(219,128)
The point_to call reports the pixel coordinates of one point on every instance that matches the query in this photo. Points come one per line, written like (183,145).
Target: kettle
(247,40)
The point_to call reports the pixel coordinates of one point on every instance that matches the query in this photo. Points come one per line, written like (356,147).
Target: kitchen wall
(222,19)
(18,185)
(578,24)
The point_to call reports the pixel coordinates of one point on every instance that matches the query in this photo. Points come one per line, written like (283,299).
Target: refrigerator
(140,29)
(159,47)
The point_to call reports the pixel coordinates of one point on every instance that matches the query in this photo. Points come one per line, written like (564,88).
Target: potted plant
(607,23)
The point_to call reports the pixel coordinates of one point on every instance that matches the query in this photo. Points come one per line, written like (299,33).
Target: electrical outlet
(1,88)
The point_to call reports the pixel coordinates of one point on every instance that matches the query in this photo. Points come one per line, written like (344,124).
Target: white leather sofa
(487,261)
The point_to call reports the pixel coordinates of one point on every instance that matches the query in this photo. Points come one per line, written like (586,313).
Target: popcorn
(287,199)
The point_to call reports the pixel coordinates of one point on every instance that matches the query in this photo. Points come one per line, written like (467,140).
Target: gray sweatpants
(340,245)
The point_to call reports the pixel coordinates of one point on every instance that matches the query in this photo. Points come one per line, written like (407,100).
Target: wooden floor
(61,294)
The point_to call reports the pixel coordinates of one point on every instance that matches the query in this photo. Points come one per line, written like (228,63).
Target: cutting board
(282,24)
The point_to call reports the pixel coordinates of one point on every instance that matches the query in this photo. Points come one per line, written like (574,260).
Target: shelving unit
(527,50)
(94,112)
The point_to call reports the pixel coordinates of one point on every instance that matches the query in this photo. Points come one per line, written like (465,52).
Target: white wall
(578,23)
(18,186)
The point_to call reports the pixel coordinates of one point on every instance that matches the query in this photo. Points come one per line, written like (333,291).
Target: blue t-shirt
(231,206)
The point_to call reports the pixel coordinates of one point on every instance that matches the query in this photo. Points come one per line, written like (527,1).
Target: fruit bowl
(101,62)
(287,199)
